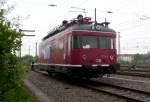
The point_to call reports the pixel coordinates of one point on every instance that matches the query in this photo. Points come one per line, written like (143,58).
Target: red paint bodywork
(76,56)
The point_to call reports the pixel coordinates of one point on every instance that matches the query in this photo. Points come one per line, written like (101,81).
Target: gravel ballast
(61,91)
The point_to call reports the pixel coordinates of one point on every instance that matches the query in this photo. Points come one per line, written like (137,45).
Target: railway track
(136,67)
(129,94)
(134,73)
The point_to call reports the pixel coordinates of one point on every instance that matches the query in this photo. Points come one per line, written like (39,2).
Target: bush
(11,70)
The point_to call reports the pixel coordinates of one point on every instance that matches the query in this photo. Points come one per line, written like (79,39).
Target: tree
(27,59)
(9,43)
(11,70)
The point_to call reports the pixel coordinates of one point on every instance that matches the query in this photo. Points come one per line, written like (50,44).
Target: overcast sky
(129,17)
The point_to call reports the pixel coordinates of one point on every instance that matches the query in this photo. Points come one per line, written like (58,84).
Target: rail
(136,66)
(123,92)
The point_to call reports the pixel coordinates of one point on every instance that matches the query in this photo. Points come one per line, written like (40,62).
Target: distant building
(126,57)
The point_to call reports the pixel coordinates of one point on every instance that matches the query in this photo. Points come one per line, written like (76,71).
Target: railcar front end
(94,53)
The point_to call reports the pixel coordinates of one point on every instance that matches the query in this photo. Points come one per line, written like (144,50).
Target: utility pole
(36,49)
(119,51)
(20,30)
(36,56)
(118,42)
(95,16)
(30,60)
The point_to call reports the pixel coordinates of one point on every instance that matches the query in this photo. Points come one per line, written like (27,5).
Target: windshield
(106,43)
(87,42)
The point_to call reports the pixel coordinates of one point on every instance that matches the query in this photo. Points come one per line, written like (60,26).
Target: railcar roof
(91,27)
(84,26)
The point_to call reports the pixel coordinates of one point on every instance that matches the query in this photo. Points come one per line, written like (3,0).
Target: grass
(17,91)
(17,94)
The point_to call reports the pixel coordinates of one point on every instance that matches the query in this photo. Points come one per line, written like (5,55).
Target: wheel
(49,73)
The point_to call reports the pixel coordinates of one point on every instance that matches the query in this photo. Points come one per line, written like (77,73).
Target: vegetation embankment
(138,60)
(11,69)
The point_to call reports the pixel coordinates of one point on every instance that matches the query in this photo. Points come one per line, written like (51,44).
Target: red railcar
(80,48)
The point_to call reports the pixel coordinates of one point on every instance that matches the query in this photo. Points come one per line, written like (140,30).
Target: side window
(69,42)
(50,51)
(40,51)
(46,52)
(61,44)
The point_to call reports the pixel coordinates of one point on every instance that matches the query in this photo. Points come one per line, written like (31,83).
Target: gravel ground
(140,83)
(62,91)
(131,77)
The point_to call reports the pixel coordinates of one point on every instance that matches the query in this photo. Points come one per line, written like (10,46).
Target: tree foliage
(27,59)
(138,59)
(11,88)
(9,43)
(9,38)
(142,58)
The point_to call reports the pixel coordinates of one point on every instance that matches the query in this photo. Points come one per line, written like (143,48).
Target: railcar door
(61,52)
(68,49)
(53,54)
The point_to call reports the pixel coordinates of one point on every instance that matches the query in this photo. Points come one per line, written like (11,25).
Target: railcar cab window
(106,43)
(85,42)
(89,42)
(75,42)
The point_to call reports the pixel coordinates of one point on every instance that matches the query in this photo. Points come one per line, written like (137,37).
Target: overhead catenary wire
(124,30)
